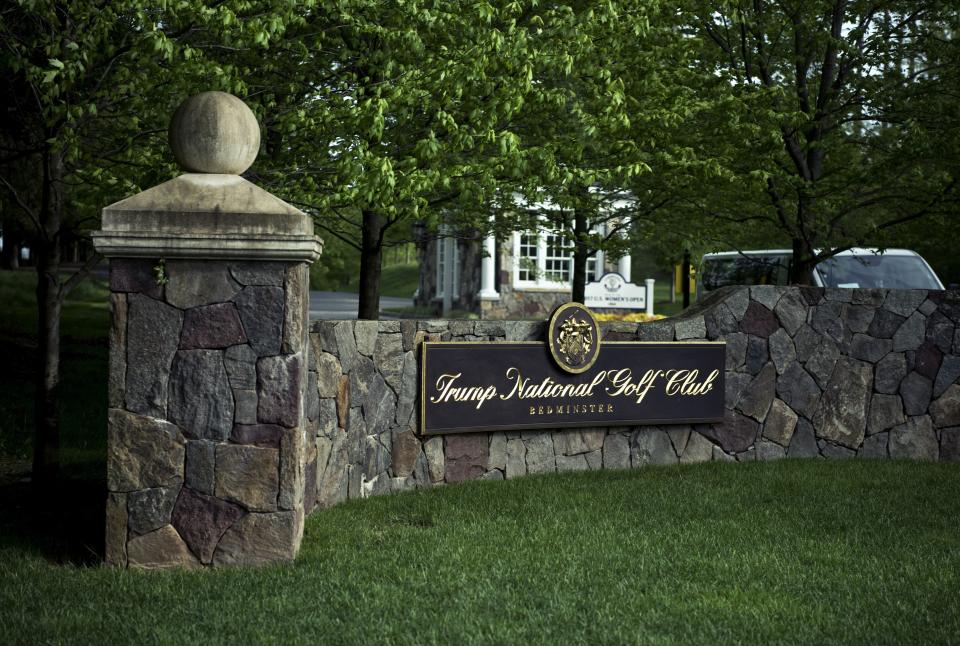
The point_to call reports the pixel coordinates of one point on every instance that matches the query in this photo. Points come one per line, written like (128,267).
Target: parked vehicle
(891,269)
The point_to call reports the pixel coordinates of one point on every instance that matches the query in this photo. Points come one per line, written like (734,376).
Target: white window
(528,256)
(545,260)
(441,264)
(558,261)
(592,263)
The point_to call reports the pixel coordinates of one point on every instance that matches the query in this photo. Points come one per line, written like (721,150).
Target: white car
(891,269)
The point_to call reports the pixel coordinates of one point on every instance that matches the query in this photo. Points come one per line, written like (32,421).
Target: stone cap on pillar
(210,212)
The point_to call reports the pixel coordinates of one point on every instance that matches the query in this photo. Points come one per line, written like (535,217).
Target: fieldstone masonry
(207,432)
(207,424)
(811,373)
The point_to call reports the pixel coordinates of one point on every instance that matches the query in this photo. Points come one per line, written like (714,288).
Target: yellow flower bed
(633,317)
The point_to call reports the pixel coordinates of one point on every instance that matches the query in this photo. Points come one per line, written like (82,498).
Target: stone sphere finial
(214,132)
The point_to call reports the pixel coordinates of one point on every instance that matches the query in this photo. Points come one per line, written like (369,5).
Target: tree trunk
(371,258)
(581,253)
(801,265)
(46,445)
(685,279)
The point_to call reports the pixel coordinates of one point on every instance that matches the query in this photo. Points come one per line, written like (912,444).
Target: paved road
(323,305)
(341,305)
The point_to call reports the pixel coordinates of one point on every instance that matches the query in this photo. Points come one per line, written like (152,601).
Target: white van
(891,269)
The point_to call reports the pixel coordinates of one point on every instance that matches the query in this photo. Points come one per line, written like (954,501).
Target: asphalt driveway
(343,305)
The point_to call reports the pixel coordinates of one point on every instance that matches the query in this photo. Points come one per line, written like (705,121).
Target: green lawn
(799,551)
(661,300)
(396,280)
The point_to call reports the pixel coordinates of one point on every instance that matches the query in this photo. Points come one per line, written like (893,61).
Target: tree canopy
(836,121)
(379,114)
(822,124)
(87,90)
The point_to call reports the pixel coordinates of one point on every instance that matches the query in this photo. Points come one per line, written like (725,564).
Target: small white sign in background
(612,291)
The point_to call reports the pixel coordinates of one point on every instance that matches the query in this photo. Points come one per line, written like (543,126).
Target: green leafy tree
(382,114)
(602,124)
(836,121)
(87,90)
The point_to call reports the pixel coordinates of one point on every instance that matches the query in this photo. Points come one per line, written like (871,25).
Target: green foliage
(935,238)
(706,117)
(160,272)
(438,111)
(86,88)
(607,126)
(96,83)
(798,550)
(394,109)
(335,268)
(832,123)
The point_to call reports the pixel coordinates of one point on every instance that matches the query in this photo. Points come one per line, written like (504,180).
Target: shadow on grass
(64,525)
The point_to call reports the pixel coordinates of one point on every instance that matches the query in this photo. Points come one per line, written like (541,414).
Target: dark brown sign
(516,386)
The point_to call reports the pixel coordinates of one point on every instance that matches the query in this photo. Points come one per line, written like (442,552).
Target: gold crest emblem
(574,338)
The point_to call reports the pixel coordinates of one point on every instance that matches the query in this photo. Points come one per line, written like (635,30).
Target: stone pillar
(488,291)
(649,299)
(207,431)
(623,267)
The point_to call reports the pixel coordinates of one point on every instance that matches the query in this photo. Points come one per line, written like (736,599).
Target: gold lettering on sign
(571,409)
(684,382)
(525,388)
(623,384)
(448,391)
(619,383)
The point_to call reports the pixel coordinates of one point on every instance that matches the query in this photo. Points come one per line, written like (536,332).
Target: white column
(541,256)
(649,299)
(488,266)
(448,260)
(623,267)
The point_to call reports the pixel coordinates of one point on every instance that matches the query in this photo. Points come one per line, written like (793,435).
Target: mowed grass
(661,299)
(395,280)
(791,551)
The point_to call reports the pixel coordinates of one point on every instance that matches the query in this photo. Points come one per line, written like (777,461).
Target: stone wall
(522,303)
(810,373)
(206,432)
